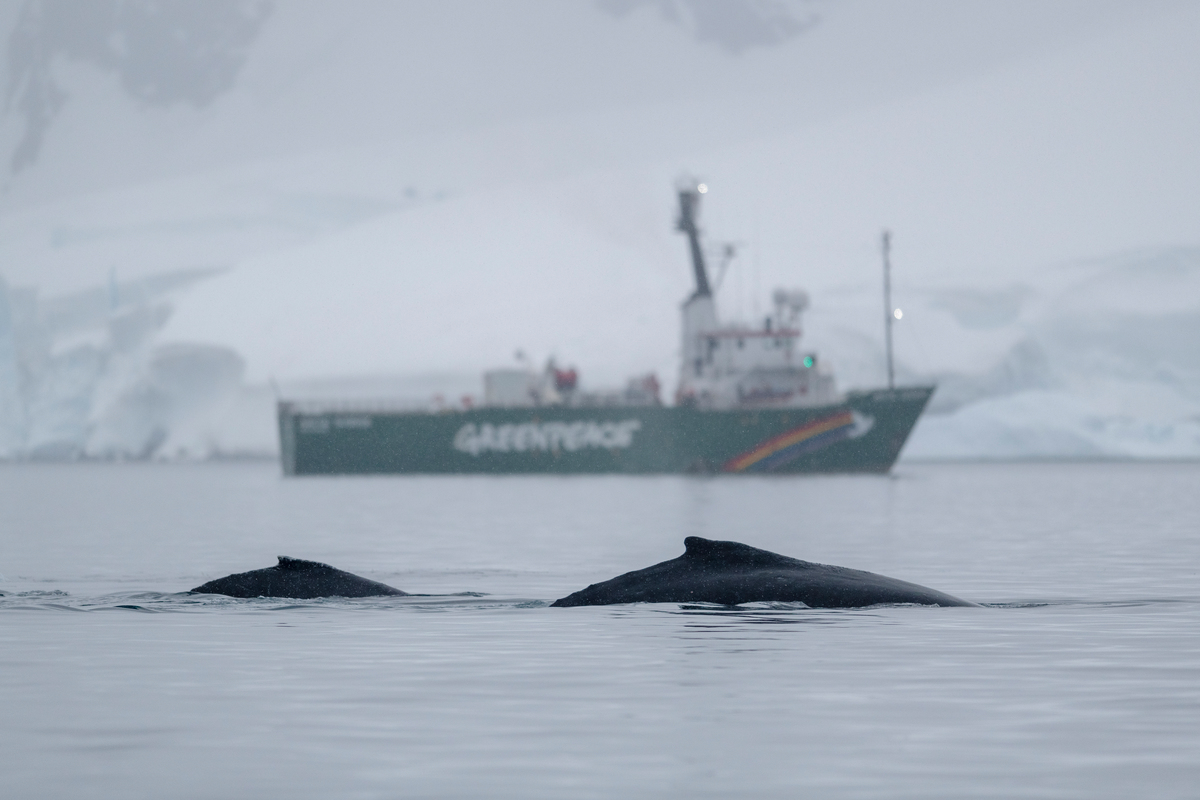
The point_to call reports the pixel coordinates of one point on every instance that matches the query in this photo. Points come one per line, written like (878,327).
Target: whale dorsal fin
(287,562)
(728,552)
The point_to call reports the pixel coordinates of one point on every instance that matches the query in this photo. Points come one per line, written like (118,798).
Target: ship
(750,400)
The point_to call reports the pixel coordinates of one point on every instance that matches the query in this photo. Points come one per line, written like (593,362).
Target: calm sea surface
(1080,680)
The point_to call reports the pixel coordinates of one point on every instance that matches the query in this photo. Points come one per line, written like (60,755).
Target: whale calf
(731,573)
(299,579)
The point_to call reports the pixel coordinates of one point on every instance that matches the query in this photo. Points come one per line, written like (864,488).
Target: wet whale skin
(731,573)
(298,579)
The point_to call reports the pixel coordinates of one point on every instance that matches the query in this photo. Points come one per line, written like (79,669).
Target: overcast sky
(101,93)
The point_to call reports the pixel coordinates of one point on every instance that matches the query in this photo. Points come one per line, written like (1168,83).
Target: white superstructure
(737,366)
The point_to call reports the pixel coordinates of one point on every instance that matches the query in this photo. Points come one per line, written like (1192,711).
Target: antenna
(887,304)
(728,253)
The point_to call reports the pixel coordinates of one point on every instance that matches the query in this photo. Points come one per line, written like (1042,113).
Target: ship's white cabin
(739,366)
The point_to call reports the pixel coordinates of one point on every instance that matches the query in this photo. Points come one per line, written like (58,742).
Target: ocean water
(1079,679)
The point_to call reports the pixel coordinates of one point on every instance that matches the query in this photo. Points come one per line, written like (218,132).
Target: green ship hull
(862,434)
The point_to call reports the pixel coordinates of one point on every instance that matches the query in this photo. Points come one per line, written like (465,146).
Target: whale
(298,579)
(732,573)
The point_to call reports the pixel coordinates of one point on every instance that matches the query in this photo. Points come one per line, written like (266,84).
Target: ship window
(741,343)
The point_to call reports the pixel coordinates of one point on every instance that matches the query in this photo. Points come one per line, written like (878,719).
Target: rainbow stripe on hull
(787,447)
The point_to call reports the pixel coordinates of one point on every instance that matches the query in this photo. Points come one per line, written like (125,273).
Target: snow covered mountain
(202,201)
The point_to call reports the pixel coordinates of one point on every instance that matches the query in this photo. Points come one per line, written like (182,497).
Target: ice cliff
(1105,362)
(84,375)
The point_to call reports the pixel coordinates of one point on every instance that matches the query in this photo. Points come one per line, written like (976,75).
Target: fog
(206,205)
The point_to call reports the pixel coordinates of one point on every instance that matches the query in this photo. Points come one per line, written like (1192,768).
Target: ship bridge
(736,366)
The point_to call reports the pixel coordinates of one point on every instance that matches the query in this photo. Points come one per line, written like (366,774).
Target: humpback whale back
(299,579)
(731,573)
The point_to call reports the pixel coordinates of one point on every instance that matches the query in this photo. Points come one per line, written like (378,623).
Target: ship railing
(315,406)
(366,406)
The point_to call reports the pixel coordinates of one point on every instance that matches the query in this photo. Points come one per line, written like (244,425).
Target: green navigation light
(808,361)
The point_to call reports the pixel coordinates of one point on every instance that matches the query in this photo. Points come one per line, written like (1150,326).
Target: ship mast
(699,310)
(888,313)
(689,201)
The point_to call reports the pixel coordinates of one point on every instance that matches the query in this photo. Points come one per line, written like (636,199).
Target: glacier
(84,375)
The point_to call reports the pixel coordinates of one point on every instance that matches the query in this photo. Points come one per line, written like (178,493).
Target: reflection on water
(1077,678)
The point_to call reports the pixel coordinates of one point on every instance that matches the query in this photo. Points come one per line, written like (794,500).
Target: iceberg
(86,375)
(1105,365)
